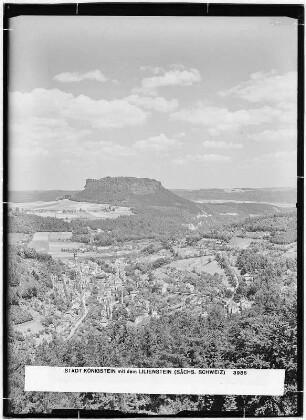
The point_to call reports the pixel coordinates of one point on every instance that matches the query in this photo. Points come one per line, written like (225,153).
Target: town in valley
(71,277)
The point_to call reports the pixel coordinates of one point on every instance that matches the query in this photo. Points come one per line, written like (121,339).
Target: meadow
(68,209)
(241,243)
(203,264)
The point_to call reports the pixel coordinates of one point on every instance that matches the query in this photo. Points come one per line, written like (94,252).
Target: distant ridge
(269,195)
(37,195)
(132,192)
(150,189)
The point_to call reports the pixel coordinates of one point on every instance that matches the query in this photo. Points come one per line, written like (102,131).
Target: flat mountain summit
(131,184)
(132,192)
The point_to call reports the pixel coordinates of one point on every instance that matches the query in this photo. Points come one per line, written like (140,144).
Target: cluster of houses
(113,287)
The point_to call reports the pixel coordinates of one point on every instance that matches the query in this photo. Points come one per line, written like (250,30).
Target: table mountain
(132,192)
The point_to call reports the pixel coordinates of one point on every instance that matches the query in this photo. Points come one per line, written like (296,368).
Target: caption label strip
(155,380)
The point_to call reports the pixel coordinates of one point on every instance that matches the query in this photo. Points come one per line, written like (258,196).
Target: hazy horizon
(195,102)
(167,187)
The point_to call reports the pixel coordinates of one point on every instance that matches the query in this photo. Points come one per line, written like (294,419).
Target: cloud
(102,113)
(269,87)
(43,137)
(160,143)
(178,76)
(74,77)
(37,130)
(63,106)
(156,103)
(107,150)
(153,69)
(52,123)
(210,158)
(172,78)
(280,157)
(211,144)
(275,136)
(38,138)
(218,119)
(277,95)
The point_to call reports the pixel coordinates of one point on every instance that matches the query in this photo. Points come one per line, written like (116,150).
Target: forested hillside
(238,324)
(30,223)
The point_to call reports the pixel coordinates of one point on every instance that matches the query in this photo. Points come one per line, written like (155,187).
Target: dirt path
(79,321)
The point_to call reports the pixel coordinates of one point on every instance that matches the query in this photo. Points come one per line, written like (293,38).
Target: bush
(19,315)
(159,262)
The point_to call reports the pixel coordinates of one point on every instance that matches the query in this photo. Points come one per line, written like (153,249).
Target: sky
(194,102)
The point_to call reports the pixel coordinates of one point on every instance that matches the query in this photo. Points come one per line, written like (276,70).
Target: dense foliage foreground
(263,340)
(262,336)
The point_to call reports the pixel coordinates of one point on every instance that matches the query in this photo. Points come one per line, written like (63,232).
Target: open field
(84,256)
(31,327)
(292,251)
(67,209)
(241,243)
(49,241)
(54,243)
(200,264)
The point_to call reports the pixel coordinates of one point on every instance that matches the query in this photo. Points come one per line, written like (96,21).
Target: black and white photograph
(152,213)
